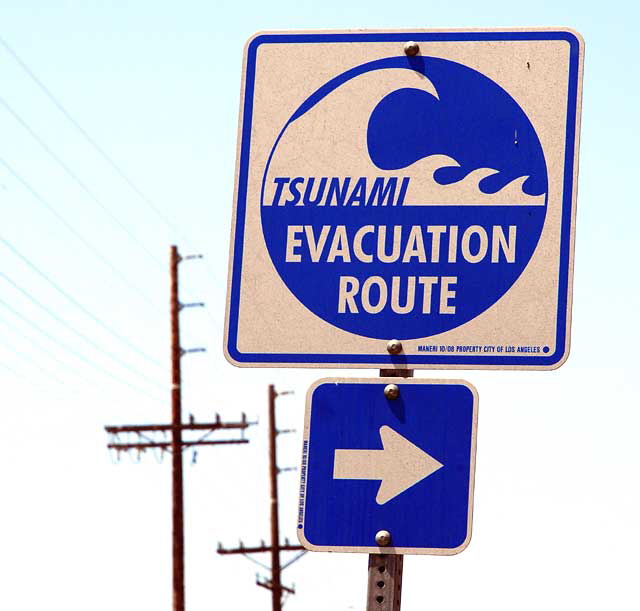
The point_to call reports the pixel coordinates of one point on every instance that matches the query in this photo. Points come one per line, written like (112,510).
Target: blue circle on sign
(436,213)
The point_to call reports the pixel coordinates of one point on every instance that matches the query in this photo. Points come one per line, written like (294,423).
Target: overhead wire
(79,182)
(78,355)
(33,362)
(65,167)
(30,380)
(77,333)
(105,156)
(72,230)
(81,307)
(109,160)
(54,100)
(39,348)
(97,253)
(59,383)
(76,233)
(85,385)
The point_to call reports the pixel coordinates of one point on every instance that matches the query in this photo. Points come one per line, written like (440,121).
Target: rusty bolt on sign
(394,346)
(383,538)
(411,48)
(391,391)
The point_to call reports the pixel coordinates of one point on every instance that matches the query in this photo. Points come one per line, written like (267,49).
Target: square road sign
(404,465)
(428,198)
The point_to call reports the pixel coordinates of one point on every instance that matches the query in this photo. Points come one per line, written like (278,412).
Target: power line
(82,336)
(110,161)
(26,379)
(40,348)
(77,234)
(107,158)
(69,227)
(33,362)
(75,302)
(78,181)
(52,98)
(78,355)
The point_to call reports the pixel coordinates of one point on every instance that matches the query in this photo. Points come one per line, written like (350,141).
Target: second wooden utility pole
(275,583)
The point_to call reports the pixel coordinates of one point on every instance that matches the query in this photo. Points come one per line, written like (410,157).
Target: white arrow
(399,465)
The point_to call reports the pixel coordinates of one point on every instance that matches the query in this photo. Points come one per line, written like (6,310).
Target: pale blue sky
(156,84)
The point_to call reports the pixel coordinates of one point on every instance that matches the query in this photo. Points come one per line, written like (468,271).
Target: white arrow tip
(405,465)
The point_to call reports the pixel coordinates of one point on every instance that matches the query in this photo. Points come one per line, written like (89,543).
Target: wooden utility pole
(176,428)
(276,587)
(275,583)
(177,500)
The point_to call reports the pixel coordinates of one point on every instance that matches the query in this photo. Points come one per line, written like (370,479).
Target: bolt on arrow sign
(399,465)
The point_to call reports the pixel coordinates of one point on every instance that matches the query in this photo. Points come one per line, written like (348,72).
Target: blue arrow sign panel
(404,465)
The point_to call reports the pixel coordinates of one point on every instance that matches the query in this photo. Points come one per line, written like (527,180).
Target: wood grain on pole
(276,586)
(176,439)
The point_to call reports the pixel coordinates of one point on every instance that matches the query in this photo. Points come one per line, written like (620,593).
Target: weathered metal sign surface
(426,198)
(373,465)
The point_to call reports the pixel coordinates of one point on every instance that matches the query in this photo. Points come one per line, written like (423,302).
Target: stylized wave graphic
(361,129)
(466,156)
(472,120)
(424,190)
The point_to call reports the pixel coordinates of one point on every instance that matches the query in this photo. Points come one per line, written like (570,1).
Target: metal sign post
(384,588)
(384,582)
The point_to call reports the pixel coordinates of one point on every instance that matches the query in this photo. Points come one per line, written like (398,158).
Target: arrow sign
(353,431)
(399,465)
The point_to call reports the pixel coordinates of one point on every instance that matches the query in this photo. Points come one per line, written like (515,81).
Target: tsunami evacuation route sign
(429,199)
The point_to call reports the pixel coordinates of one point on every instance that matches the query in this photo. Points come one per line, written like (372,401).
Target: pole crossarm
(195,426)
(167,444)
(184,351)
(195,304)
(287,547)
(265,583)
